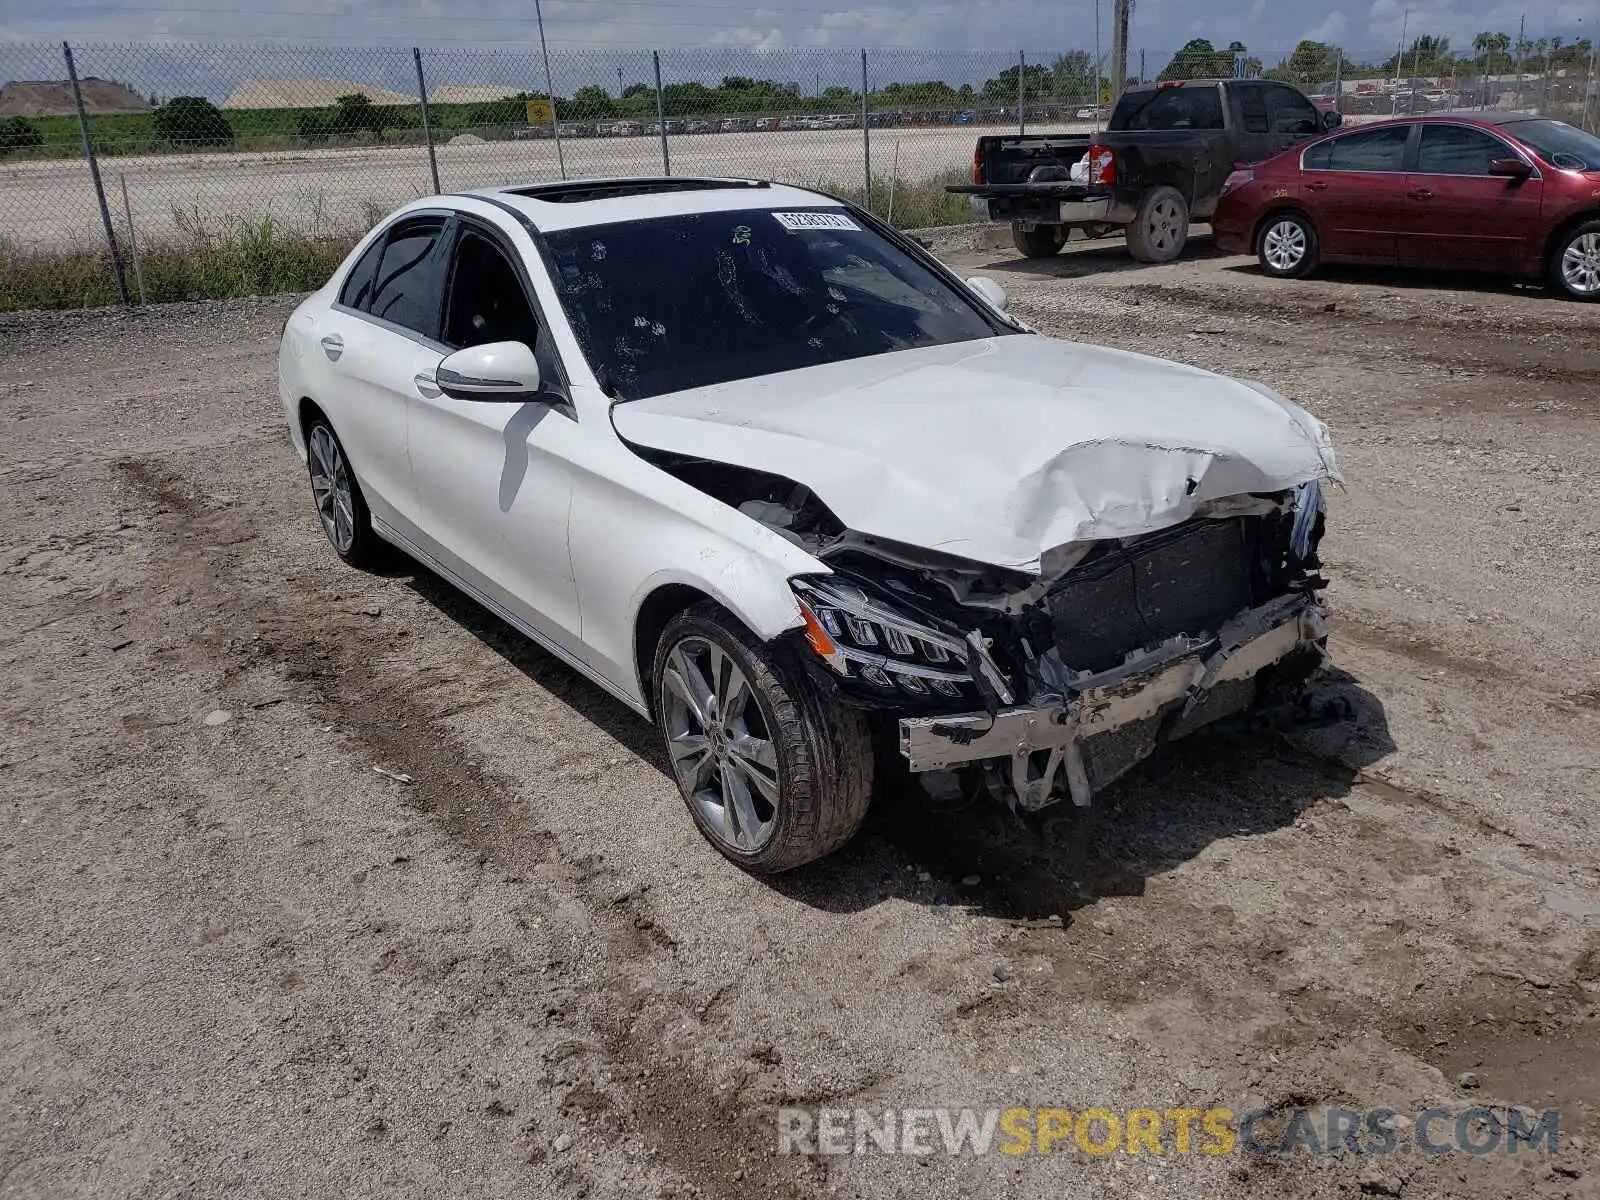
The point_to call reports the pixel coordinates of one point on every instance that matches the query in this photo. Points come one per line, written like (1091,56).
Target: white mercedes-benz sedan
(766,471)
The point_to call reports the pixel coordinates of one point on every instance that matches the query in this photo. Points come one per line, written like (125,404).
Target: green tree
(591,103)
(191,121)
(357,113)
(1199,59)
(1002,89)
(312,125)
(18,134)
(1493,51)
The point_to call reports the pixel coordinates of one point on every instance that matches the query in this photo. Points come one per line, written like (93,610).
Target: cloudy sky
(1041,26)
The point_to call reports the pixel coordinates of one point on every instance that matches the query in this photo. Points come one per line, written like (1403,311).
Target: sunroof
(611,189)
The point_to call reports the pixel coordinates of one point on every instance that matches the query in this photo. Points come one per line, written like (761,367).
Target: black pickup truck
(1160,163)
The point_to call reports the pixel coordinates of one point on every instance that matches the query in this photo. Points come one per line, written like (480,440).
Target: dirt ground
(321,883)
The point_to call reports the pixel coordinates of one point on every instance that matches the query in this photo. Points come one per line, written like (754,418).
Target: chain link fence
(127,156)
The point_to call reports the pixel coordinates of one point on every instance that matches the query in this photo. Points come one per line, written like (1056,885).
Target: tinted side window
(357,290)
(1174,108)
(1370,150)
(1292,112)
(1458,150)
(485,301)
(1253,108)
(406,290)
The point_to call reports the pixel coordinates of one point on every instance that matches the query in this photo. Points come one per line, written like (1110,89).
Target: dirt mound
(53,98)
(306,93)
(471,93)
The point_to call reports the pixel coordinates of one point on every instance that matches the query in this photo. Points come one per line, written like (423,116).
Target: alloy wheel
(330,486)
(721,749)
(1284,245)
(1580,265)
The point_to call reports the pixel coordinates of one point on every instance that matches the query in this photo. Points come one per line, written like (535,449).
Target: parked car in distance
(1160,163)
(763,469)
(1515,195)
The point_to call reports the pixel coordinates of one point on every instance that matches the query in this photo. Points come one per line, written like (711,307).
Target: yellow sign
(541,112)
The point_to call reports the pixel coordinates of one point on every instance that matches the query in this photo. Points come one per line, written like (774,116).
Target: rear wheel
(774,774)
(1042,241)
(340,505)
(1287,246)
(1160,229)
(1575,265)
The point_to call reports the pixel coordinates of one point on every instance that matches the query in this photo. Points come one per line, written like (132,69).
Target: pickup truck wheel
(1287,246)
(1160,230)
(775,773)
(1042,241)
(1575,265)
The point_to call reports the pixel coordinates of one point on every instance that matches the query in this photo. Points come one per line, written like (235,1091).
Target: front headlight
(863,639)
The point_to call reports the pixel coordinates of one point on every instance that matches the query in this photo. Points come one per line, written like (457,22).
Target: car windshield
(681,302)
(1559,144)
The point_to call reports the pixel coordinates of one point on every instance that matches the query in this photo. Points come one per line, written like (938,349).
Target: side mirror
(495,371)
(1510,168)
(1332,119)
(990,292)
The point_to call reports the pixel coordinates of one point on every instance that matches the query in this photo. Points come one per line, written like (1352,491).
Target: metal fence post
(550,89)
(133,237)
(94,175)
(661,114)
(1022,75)
(427,125)
(1338,83)
(866,134)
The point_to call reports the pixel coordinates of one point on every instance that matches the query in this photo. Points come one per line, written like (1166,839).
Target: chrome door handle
(1316,185)
(333,346)
(1421,194)
(427,384)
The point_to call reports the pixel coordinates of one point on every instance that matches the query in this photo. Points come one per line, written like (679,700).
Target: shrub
(18,134)
(192,121)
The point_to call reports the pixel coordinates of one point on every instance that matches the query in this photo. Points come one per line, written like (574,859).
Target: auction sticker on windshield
(814,220)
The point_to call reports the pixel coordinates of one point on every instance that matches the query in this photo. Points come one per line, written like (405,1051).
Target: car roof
(579,203)
(1464,117)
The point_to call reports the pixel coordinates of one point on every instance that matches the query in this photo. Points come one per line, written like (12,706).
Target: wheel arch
(1561,231)
(307,411)
(1278,209)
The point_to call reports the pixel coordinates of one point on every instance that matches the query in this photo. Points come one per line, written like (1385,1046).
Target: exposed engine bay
(1049,686)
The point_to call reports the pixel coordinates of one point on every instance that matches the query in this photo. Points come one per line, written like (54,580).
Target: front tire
(1042,241)
(1575,265)
(1160,229)
(1287,246)
(774,773)
(341,507)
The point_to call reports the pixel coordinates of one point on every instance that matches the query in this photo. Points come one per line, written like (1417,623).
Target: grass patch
(232,257)
(206,261)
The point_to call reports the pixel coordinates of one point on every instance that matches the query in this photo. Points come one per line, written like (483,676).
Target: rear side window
(1458,150)
(1369,150)
(1253,108)
(357,290)
(1170,108)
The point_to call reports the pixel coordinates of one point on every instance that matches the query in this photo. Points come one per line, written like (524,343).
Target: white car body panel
(999,450)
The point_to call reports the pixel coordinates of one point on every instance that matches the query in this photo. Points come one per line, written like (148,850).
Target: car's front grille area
(1189,580)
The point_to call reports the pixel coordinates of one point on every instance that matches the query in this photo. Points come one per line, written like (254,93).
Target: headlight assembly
(863,639)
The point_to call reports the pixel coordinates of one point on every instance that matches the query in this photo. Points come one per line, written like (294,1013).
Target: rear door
(1354,187)
(1293,117)
(1461,217)
(370,341)
(1252,129)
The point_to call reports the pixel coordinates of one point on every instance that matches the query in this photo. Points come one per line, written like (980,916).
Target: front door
(493,478)
(1460,217)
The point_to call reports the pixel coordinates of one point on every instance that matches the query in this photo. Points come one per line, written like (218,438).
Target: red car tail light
(1102,166)
(977,164)
(1236,180)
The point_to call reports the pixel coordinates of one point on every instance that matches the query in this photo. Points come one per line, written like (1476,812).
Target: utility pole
(550,90)
(1121,19)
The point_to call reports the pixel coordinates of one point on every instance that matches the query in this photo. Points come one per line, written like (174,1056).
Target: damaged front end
(1051,687)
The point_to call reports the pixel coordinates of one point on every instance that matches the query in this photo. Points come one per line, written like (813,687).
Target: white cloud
(1333,28)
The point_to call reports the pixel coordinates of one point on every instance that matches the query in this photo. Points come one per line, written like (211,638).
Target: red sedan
(1516,195)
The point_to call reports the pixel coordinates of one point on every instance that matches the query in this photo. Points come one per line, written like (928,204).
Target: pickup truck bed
(1160,164)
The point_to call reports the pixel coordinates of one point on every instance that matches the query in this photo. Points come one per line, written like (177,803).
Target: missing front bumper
(1115,719)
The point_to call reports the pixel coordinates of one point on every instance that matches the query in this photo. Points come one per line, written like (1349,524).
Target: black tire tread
(824,749)
(1038,242)
(1313,257)
(367,550)
(1554,266)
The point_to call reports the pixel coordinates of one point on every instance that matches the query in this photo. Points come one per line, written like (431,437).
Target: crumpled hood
(1001,449)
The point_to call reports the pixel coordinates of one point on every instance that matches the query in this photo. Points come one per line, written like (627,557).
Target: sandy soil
(242,957)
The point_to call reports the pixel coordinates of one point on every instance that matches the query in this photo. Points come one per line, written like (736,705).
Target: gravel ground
(320,883)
